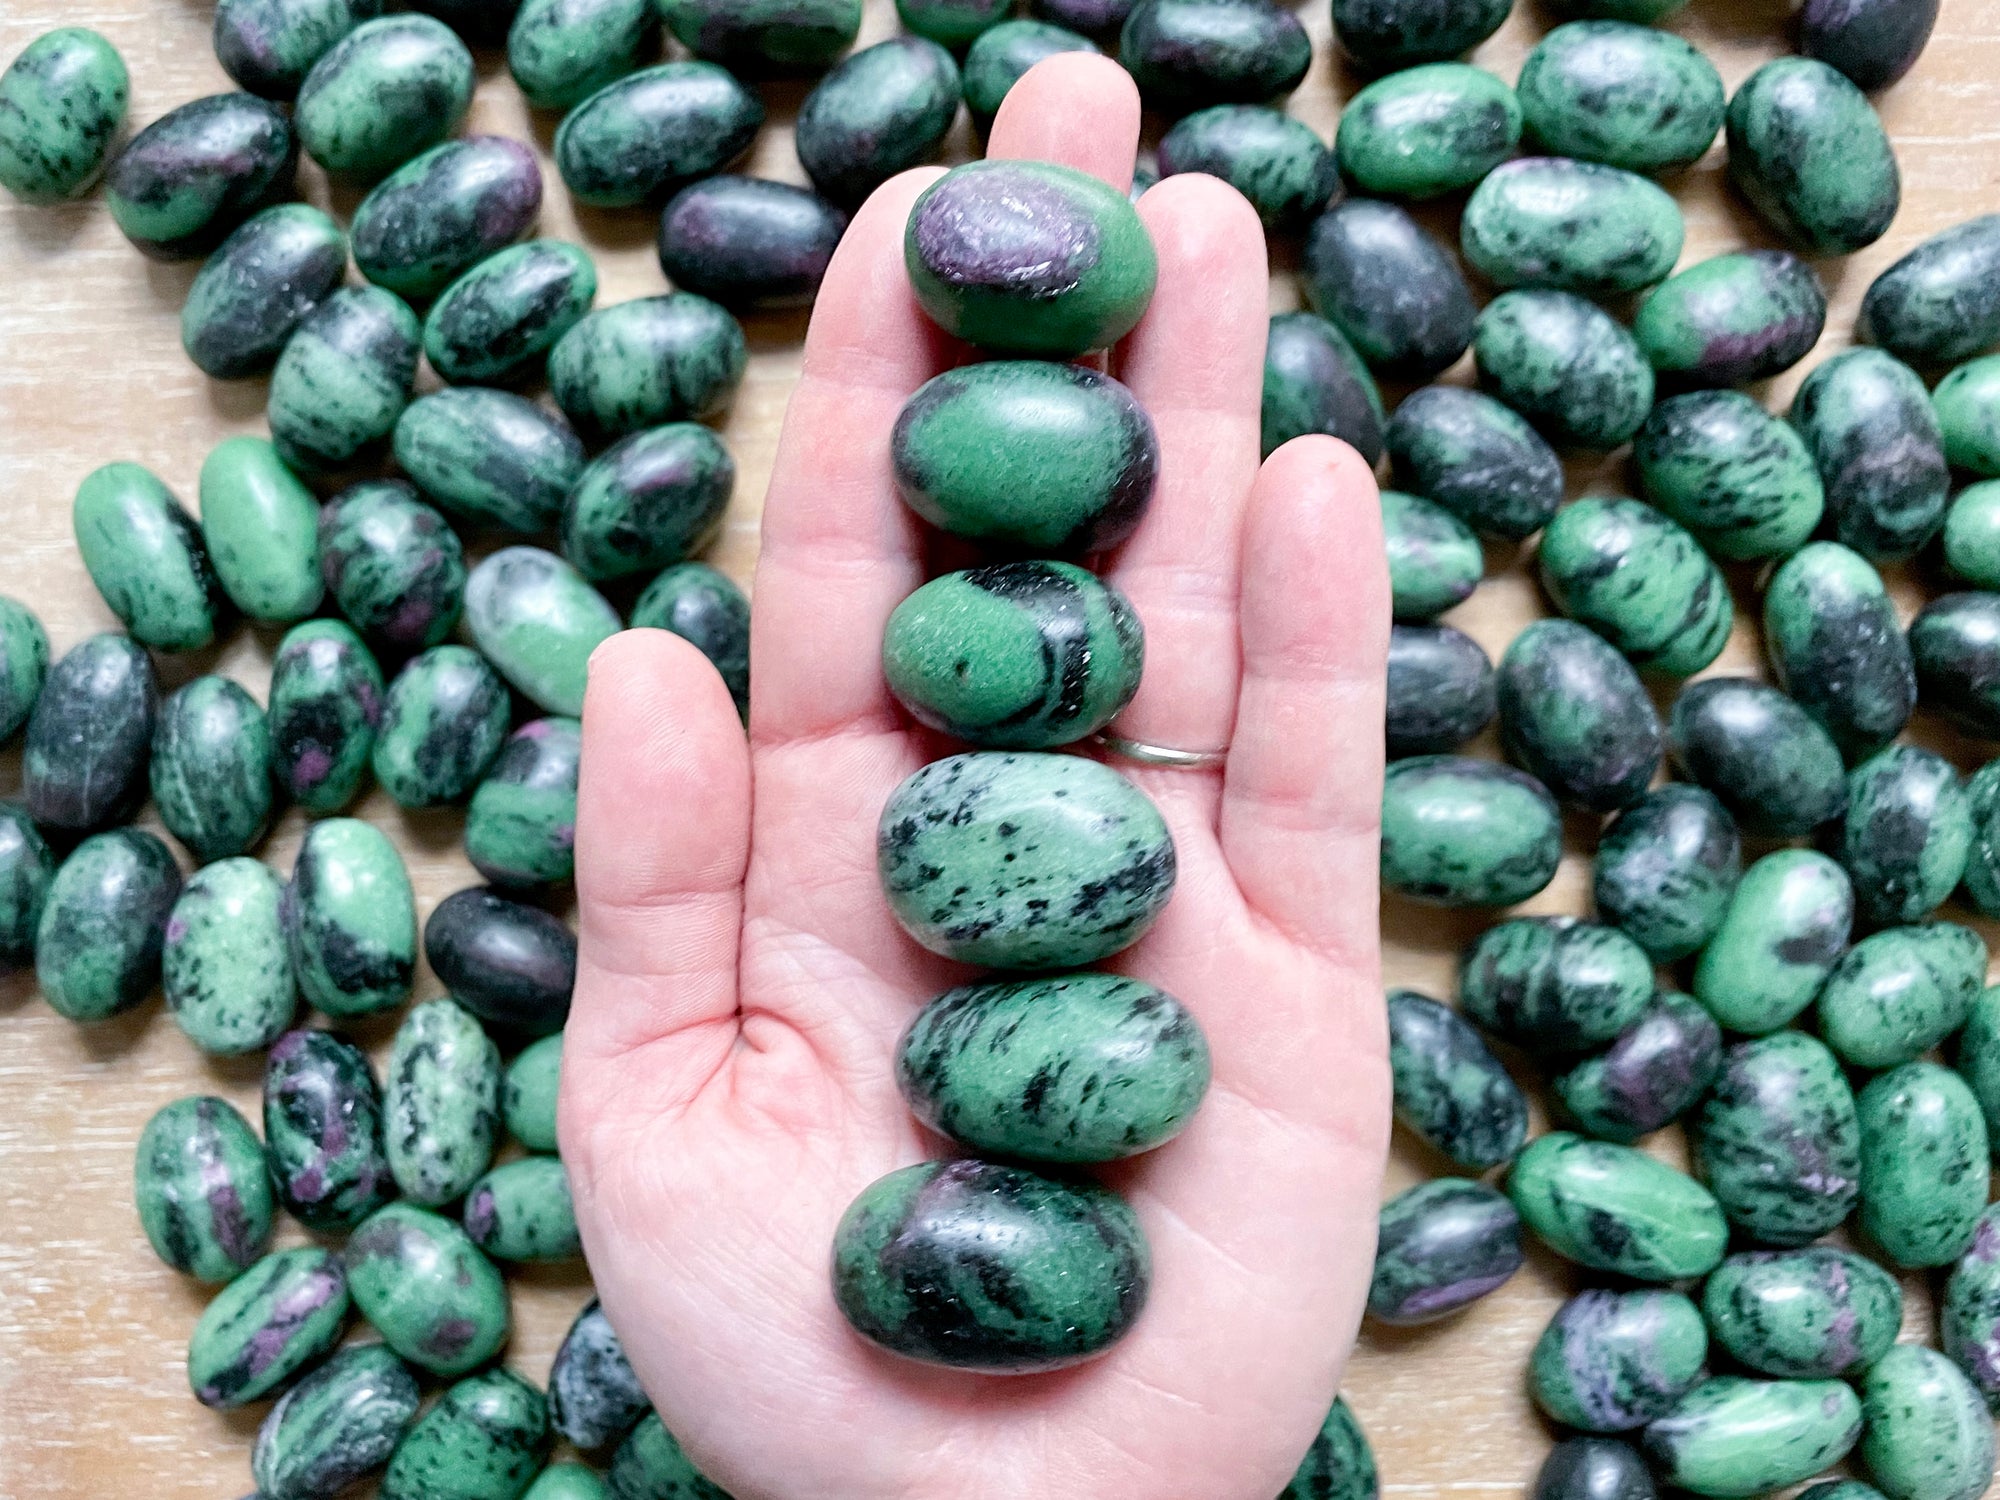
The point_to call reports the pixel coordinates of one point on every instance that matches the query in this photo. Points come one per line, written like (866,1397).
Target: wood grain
(93,1398)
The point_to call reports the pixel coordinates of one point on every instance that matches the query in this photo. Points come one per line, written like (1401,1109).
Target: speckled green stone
(181,184)
(654,359)
(323,1131)
(442,1103)
(1449,1088)
(1969,1314)
(97,945)
(1778,1142)
(1810,154)
(443,212)
(1478,459)
(1029,258)
(258,287)
(1967,404)
(566,1482)
(1666,868)
(649,501)
(1924,1164)
(522,1212)
(490,457)
(1775,769)
(83,762)
(521,827)
(1929,1435)
(649,1465)
(1278,163)
(1464,832)
(1972,535)
(594,1396)
(146,556)
(1435,561)
(1655,1072)
(1314,382)
(654,131)
(1554,984)
(1566,365)
(268,46)
(386,91)
(1383,34)
(882,111)
(1732,319)
(62,100)
(706,608)
(261,526)
(990,1268)
(325,706)
(1639,580)
(1441,690)
(1439,1248)
(204,1196)
(484,1440)
(396,569)
(351,919)
(268,1324)
(1837,647)
(1907,835)
(26,870)
(1572,225)
(1955,644)
(427,1290)
(336,1426)
(1015,656)
(1982,866)
(528,1093)
(1785,926)
(1734,1437)
(1810,1314)
(952,23)
(765,36)
(1004,53)
(211,768)
(343,379)
(496,324)
(24,662)
(1613,1361)
(1071,1068)
(1737,477)
(1394,291)
(225,966)
(1615,1209)
(1628,96)
(1574,715)
(537,620)
(442,725)
(1187,54)
(1024,861)
(1427,130)
(1339,1465)
(563,51)
(1869,425)
(1941,302)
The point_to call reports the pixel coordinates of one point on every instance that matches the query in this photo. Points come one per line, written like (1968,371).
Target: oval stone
(653,132)
(258,287)
(325,707)
(323,1130)
(225,965)
(1339,1465)
(654,359)
(881,111)
(1735,1437)
(1554,984)
(708,610)
(1732,319)
(97,946)
(1810,1314)
(396,569)
(1024,861)
(1314,382)
(1784,927)
(489,457)
(1463,832)
(1186,54)
(566,1482)
(1441,1247)
(26,870)
(1940,303)
(1395,292)
(748,242)
(1809,153)
(1427,130)
(1004,53)
(1955,645)
(1969,1313)
(24,664)
(1666,868)
(563,51)
(262,529)
(594,1396)
(1982,867)
(146,556)
(511,964)
(1435,561)
(1477,459)
(1615,1209)
(650,1462)
(522,1212)
(389,89)
(1874,42)
(528,1094)
(1628,96)
(1906,837)
(441,213)
(1967,404)
(268,1324)
(1929,1435)
(351,919)
(1576,226)
(1977,1057)
(521,827)
(336,1426)
(441,1105)
(211,768)
(1972,535)
(343,379)
(1027,453)
(992,1268)
(268,47)
(1778,1141)
(427,1290)
(1639,580)
(83,764)
(1385,34)
(442,725)
(496,324)
(1655,1072)
(1278,163)
(951,23)
(1440,690)
(765,36)
(1574,715)
(536,620)
(181,184)
(203,1193)
(63,99)
(1566,365)
(486,1437)
(1614,1361)
(650,500)
(1594,1468)
(1924,1164)
(1868,423)
(1775,769)
(1737,477)
(1835,646)
(1449,1088)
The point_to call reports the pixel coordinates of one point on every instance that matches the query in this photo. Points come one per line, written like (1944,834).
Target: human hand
(728,1087)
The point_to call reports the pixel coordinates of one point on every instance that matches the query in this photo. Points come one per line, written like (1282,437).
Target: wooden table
(93,1399)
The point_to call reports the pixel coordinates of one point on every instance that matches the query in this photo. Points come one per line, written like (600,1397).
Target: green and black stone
(522,1212)
(1278,163)
(1784,927)
(654,359)
(483,23)
(882,111)
(181,184)
(521,827)
(1809,153)
(442,724)
(268,46)
(1435,561)
(211,768)
(203,1192)
(1575,226)
(351,919)
(261,526)
(325,708)
(1811,1314)
(440,214)
(1574,715)
(1732,1436)
(24,664)
(226,966)
(1732,319)
(762,37)
(1737,477)
(1775,769)
(563,51)
(1874,42)
(1339,1465)
(1868,423)
(1629,96)
(147,558)
(1449,1088)
(343,380)
(323,1131)
(335,1427)
(1982,865)
(62,100)
(83,764)
(394,566)
(649,1465)
(441,1103)
(266,1326)
(511,964)
(27,869)
(1566,365)
(1940,303)
(1614,1361)
(1004,54)
(528,1094)
(1928,1432)
(1907,835)
(387,91)
(260,284)
(1967,403)
(653,132)
(1190,54)
(537,620)
(496,324)
(707,609)
(952,23)
(747,242)
(1615,1209)
(486,1439)
(1427,130)
(594,1396)
(1387,34)
(1836,646)
(1666,868)
(489,457)
(650,500)
(1463,832)
(1393,290)
(1554,985)
(1314,382)
(1441,690)
(1924,1164)
(1955,645)
(1972,535)
(1976,1055)
(1653,1074)
(990,1268)
(1594,1468)
(1441,1246)
(1478,459)
(1969,1314)
(1639,580)
(427,1290)
(97,946)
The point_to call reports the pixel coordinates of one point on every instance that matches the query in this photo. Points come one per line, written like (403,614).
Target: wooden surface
(93,1398)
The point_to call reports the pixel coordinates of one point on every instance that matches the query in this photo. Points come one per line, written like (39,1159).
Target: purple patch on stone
(1007,231)
(449,1338)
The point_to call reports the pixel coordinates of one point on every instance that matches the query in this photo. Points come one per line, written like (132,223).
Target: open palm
(728,1086)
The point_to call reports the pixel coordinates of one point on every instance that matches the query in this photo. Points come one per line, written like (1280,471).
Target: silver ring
(1161,755)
